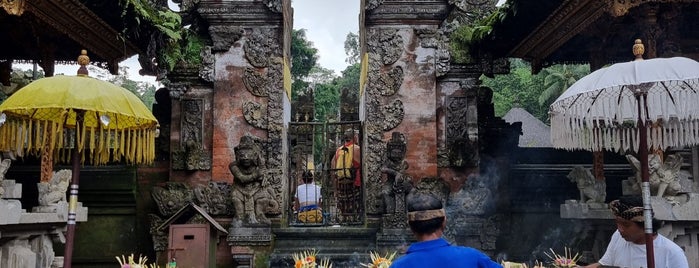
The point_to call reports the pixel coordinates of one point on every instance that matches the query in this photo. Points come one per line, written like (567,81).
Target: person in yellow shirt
(346,166)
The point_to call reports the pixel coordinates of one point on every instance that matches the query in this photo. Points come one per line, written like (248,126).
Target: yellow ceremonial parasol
(103,121)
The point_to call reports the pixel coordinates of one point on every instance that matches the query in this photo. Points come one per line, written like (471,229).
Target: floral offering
(131,262)
(567,260)
(307,259)
(378,261)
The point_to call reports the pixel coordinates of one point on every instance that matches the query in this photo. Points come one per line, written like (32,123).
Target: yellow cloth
(343,162)
(311,216)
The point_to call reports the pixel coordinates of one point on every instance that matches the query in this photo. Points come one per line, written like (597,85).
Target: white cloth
(308,194)
(624,254)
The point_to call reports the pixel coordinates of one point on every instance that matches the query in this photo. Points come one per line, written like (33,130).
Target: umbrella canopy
(115,123)
(630,107)
(107,120)
(600,110)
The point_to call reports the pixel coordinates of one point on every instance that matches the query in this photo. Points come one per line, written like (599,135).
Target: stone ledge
(573,209)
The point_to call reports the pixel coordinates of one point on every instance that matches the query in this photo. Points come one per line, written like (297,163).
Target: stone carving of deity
(397,182)
(252,195)
(54,190)
(664,176)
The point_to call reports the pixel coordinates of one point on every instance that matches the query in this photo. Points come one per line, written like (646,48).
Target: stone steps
(344,246)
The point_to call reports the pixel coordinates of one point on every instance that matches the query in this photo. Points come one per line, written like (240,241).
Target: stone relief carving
(437,39)
(393,114)
(262,46)
(389,83)
(435,186)
(371,4)
(385,45)
(223,36)
(177,90)
(172,197)
(256,82)
(252,194)
(474,9)
(213,197)
(398,183)
(54,190)
(192,155)
(461,131)
(274,5)
(207,68)
(664,176)
(4,166)
(591,190)
(255,114)
(374,155)
(159,237)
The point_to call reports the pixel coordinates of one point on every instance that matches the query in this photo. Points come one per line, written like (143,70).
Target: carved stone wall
(248,98)
(402,42)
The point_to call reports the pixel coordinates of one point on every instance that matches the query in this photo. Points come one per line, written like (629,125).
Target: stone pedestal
(681,208)
(11,211)
(250,236)
(60,209)
(573,209)
(11,189)
(394,239)
(28,237)
(243,257)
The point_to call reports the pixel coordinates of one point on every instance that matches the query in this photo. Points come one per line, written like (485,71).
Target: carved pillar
(248,95)
(401,43)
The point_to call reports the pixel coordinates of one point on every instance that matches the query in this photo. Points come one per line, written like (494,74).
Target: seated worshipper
(628,245)
(307,200)
(427,220)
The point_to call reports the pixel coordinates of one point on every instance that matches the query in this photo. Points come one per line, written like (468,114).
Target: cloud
(327,23)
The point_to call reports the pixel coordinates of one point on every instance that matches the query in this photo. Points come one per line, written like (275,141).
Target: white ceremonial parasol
(631,107)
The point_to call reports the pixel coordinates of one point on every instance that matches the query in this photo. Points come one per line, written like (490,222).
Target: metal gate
(312,147)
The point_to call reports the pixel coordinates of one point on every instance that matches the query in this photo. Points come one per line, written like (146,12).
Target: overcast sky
(327,23)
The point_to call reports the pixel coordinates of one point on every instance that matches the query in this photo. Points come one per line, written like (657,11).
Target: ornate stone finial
(638,49)
(13,7)
(83,60)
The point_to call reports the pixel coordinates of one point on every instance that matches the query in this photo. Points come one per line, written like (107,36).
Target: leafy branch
(467,36)
(179,43)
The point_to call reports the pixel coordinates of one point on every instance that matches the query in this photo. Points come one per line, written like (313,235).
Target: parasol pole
(641,93)
(83,60)
(645,182)
(70,232)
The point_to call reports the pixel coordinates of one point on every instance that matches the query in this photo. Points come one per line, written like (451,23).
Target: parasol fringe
(135,146)
(92,141)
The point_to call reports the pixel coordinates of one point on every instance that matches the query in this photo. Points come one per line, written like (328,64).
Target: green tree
(352,48)
(303,58)
(558,78)
(143,90)
(320,75)
(519,88)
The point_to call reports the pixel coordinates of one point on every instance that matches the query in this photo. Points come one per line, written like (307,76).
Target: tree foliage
(143,90)
(520,88)
(303,58)
(352,48)
(558,78)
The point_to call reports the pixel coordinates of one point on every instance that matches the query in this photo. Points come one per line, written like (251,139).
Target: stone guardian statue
(251,193)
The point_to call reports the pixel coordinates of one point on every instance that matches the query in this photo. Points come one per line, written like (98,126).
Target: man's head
(425,213)
(307,176)
(348,135)
(628,213)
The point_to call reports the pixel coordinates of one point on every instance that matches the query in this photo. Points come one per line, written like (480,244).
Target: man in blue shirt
(427,220)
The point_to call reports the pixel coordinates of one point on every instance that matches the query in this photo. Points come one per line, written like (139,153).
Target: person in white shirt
(308,200)
(627,247)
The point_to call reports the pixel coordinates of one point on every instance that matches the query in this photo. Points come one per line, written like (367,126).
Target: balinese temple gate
(424,124)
